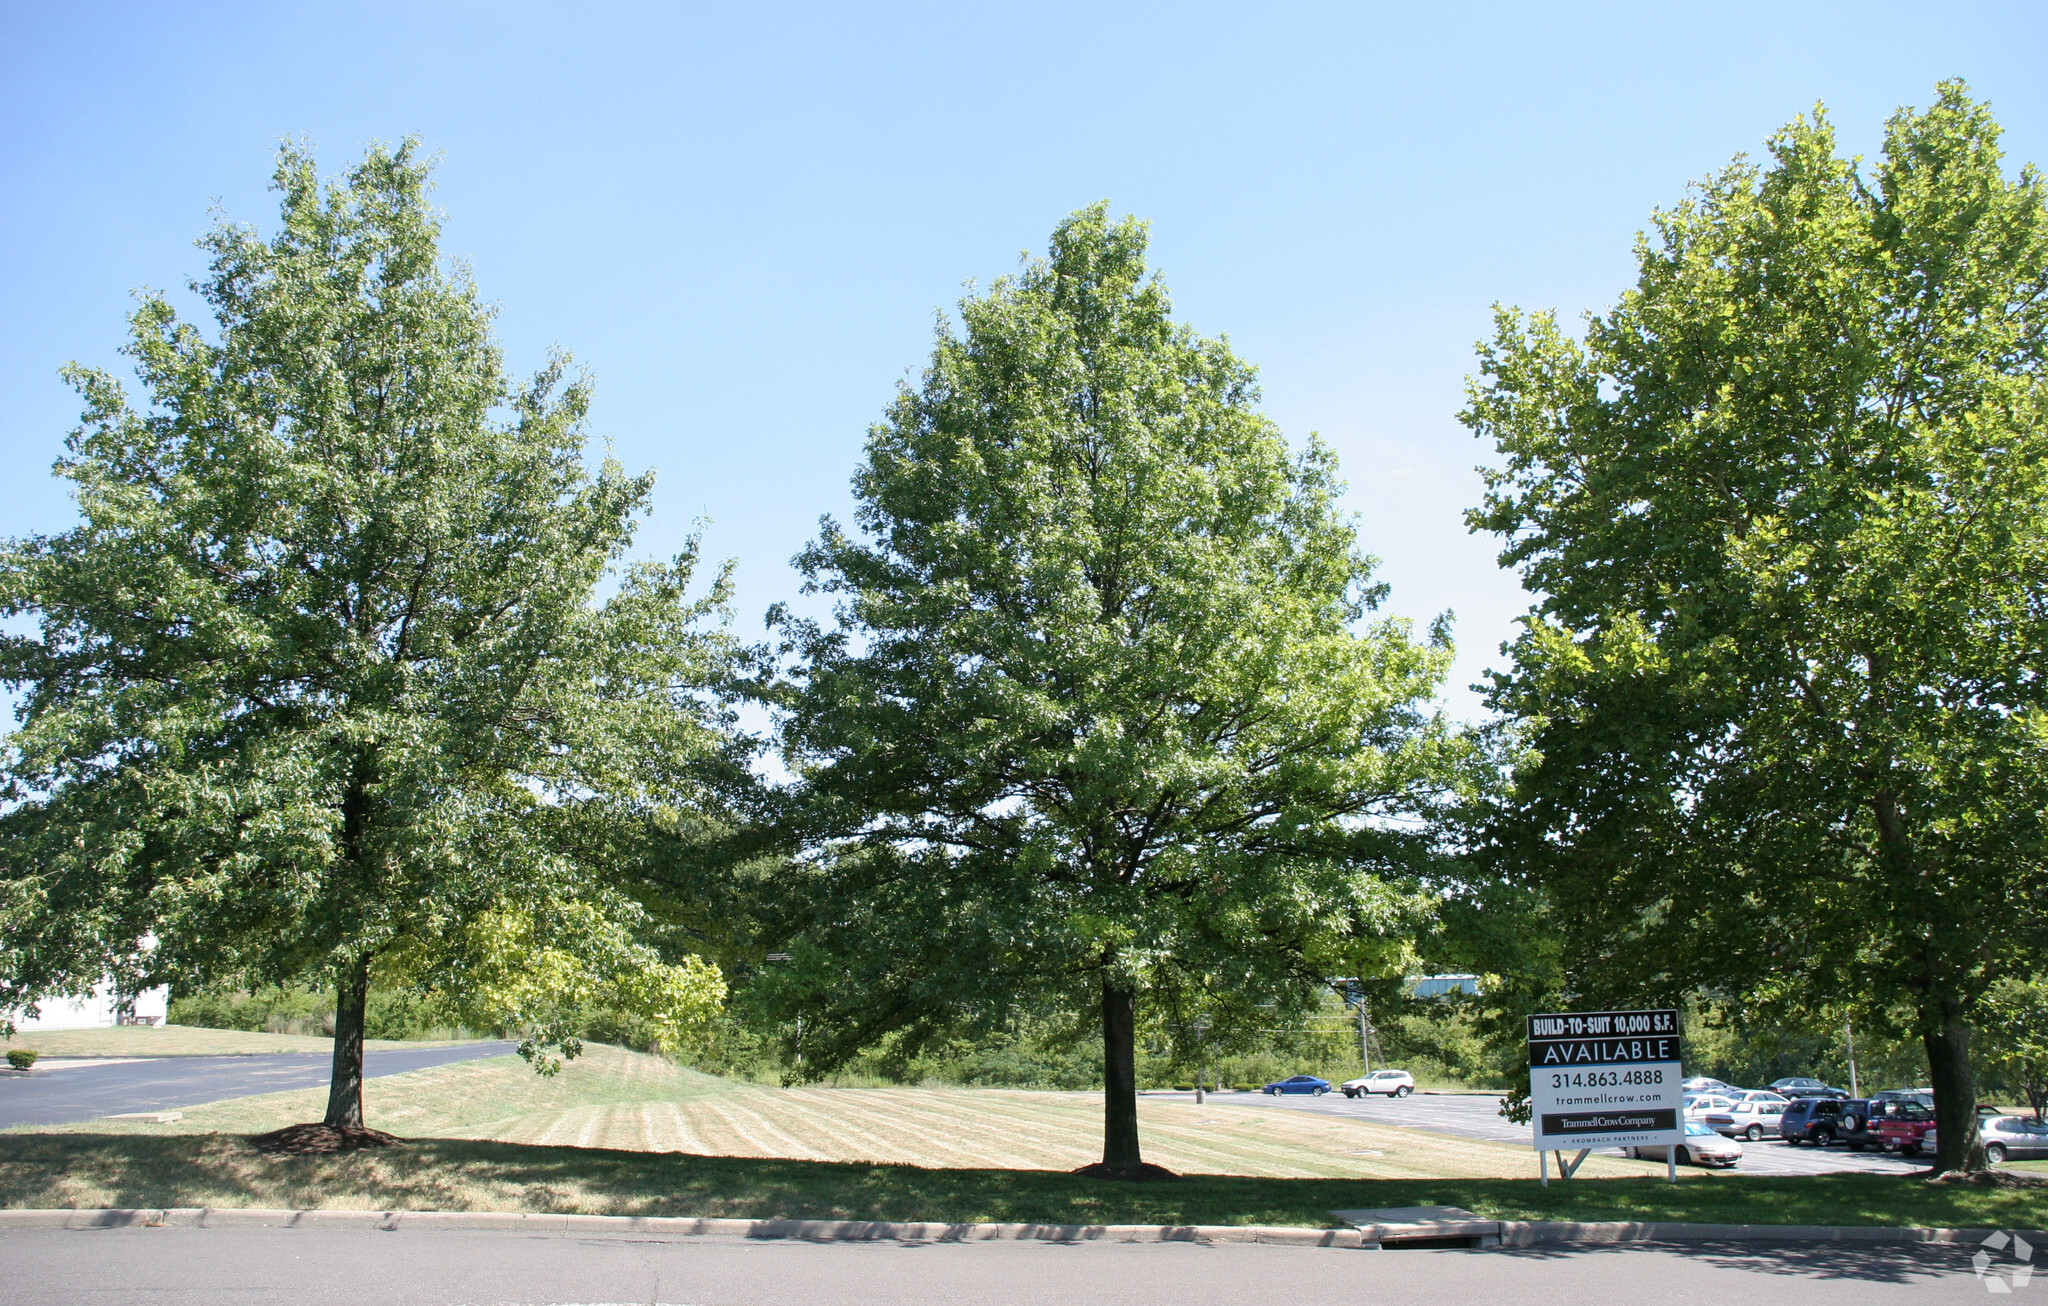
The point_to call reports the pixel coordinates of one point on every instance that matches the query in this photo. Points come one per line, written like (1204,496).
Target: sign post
(1605,1079)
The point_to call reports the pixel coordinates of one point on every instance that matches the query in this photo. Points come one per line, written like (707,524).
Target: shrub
(21,1058)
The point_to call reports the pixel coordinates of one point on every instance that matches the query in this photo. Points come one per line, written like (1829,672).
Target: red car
(1901,1126)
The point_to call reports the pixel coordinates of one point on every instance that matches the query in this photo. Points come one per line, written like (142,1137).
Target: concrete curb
(674,1226)
(1433,1233)
(1542,1233)
(1534,1233)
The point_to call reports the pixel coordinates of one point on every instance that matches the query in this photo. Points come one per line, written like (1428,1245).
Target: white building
(1430,986)
(103,1008)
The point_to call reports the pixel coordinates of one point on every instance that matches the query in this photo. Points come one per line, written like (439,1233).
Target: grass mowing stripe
(735,1115)
(679,1129)
(846,1137)
(929,1133)
(1067,1134)
(1067,1146)
(960,1136)
(764,1123)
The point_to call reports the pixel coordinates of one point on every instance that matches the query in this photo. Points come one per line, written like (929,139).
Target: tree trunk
(1947,1039)
(1119,1076)
(345,1089)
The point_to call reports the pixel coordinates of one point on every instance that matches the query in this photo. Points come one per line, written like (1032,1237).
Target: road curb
(1543,1233)
(1532,1233)
(673,1226)
(1437,1233)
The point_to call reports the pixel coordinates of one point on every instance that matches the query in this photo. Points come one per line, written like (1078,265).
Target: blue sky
(742,219)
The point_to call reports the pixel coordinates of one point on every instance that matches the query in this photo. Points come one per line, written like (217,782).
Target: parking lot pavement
(1477,1115)
(80,1089)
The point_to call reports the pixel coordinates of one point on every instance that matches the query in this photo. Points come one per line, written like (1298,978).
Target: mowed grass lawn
(620,1133)
(629,1101)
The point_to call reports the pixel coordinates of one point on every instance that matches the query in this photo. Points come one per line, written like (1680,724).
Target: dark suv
(1822,1120)
(1854,1124)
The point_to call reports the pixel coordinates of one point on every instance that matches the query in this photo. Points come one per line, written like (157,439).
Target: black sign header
(1603,1038)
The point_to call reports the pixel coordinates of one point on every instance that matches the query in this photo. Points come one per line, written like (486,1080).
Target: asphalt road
(291,1267)
(87,1092)
(1474,1115)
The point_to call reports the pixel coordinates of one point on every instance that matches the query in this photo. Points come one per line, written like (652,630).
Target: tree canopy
(318,686)
(1786,510)
(1103,726)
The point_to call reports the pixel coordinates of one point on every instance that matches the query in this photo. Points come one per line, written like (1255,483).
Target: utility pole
(1849,1036)
(1354,990)
(1364,1035)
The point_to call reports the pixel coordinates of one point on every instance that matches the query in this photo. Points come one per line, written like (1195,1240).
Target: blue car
(1299,1084)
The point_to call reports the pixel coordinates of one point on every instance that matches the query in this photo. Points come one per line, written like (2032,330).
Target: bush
(21,1058)
(1247,1088)
(392,1013)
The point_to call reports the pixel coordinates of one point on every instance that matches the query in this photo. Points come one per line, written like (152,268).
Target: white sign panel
(1605,1079)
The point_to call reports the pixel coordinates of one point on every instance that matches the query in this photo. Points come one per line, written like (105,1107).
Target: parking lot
(1477,1115)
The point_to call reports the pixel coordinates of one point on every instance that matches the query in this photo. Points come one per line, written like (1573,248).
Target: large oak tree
(1104,727)
(317,688)
(1786,507)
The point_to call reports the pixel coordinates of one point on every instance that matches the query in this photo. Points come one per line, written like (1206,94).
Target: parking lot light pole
(783,956)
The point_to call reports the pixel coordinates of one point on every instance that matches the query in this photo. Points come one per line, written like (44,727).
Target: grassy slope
(906,1154)
(173,1041)
(610,1098)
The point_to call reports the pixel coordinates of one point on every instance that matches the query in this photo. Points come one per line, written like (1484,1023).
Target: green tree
(318,690)
(2015,1025)
(1098,728)
(1786,507)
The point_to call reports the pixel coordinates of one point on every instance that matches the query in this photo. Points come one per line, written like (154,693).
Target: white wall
(94,1011)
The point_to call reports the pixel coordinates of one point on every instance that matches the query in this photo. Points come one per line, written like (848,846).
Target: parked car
(1699,1104)
(2020,1138)
(1752,1115)
(1797,1088)
(1702,1084)
(1818,1120)
(1855,1124)
(1702,1146)
(1901,1124)
(1298,1084)
(1394,1083)
(1924,1096)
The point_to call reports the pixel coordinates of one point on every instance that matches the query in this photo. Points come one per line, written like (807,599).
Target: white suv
(1394,1083)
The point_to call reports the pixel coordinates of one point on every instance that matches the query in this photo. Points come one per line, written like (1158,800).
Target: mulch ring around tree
(322,1140)
(1986,1179)
(1141,1172)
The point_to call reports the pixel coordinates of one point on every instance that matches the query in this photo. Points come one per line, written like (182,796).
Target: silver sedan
(2017,1137)
(1753,1115)
(1702,1145)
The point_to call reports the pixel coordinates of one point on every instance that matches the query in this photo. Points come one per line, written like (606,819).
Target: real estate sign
(1605,1079)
